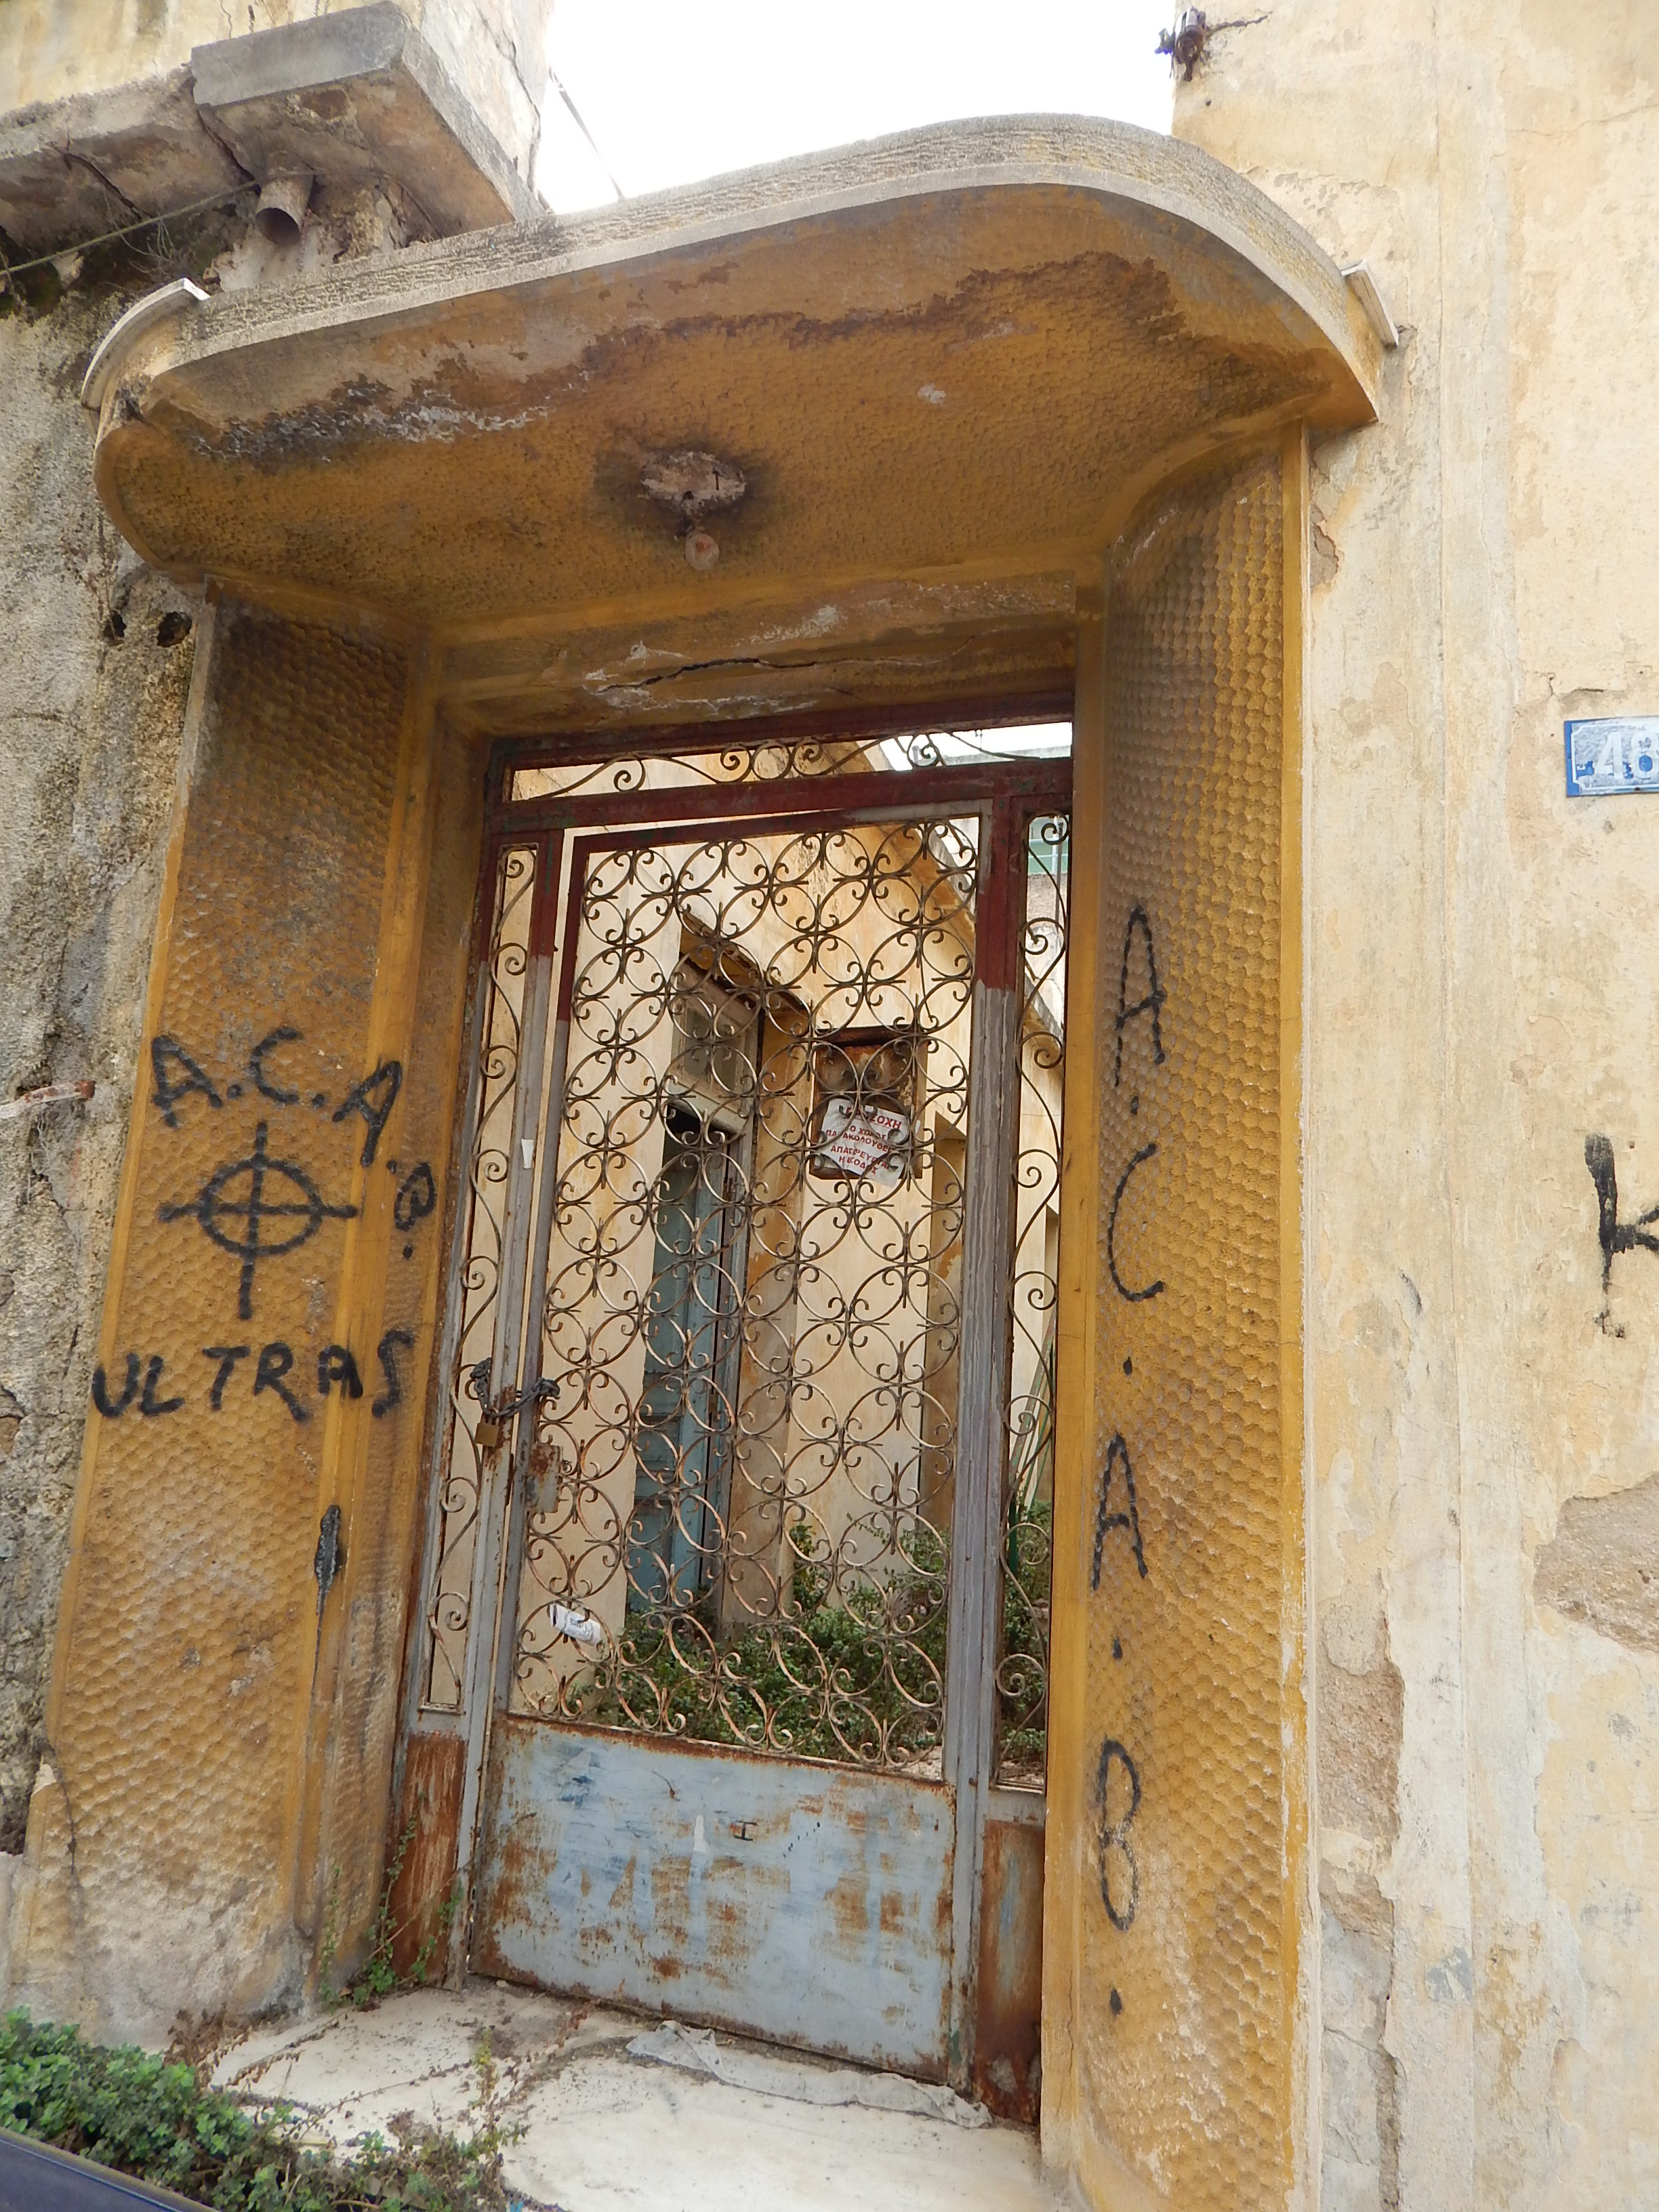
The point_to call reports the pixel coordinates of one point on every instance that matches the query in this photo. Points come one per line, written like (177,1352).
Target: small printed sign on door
(1610,755)
(863,1142)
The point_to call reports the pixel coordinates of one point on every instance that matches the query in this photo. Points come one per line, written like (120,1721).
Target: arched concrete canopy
(965,352)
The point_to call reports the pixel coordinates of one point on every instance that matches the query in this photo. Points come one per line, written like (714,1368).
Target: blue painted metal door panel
(806,1904)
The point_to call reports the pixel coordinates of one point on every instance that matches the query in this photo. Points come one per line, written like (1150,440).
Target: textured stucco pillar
(1176,2019)
(220,1733)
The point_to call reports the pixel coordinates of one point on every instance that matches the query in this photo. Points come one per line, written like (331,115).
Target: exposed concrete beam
(76,168)
(350,97)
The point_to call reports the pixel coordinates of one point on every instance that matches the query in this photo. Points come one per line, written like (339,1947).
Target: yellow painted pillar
(1179,1932)
(224,1698)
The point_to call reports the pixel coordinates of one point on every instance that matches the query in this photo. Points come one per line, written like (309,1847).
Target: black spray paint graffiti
(179,1075)
(1127,1518)
(264,1204)
(1151,1002)
(237,1194)
(255,1066)
(149,1404)
(1119,1876)
(331,1555)
(1150,1005)
(1149,1289)
(227,1355)
(1615,1236)
(337,1369)
(1117,1778)
(394,1394)
(277,1361)
(327,1562)
(373,1099)
(417,1196)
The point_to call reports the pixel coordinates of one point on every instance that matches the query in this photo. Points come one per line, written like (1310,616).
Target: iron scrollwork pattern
(739,1491)
(770,762)
(1022,1678)
(767,761)
(484,1229)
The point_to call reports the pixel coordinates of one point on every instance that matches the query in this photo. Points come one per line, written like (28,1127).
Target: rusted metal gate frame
(1006,798)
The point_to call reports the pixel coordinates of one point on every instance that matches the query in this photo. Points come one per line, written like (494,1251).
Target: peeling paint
(1602,1565)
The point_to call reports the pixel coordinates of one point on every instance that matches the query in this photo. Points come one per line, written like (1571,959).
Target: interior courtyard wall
(1480,1003)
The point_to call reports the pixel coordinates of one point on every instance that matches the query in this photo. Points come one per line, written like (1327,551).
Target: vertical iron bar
(454,1295)
(495,1470)
(523,1435)
(982,1402)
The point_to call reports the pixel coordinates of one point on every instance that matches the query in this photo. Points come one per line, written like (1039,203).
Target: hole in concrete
(172,628)
(693,484)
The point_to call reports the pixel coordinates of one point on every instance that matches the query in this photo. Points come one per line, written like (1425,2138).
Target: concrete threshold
(683,2122)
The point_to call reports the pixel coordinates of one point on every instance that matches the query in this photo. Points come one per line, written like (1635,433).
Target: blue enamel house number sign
(1611,755)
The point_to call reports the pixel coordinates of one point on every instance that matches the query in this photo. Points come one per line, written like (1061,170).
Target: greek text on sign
(1613,753)
(862,1140)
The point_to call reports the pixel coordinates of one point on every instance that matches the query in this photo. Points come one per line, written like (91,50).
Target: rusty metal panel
(424,1849)
(1009,1995)
(807,1903)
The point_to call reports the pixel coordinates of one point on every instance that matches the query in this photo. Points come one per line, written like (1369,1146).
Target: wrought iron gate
(736,1584)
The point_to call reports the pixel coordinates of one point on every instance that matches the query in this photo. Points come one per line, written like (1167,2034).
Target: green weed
(852,1673)
(379,1976)
(143,2116)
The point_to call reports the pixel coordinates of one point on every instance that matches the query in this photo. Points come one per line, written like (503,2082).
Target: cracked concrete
(592,2127)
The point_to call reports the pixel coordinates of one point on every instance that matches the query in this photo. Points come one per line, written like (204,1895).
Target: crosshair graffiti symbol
(235,1203)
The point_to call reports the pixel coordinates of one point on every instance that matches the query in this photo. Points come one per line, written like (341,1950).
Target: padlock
(488,1434)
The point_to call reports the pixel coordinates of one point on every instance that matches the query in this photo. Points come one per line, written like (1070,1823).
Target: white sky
(673,90)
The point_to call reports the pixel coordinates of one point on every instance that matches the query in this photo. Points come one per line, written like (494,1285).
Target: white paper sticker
(579,1626)
(861,1141)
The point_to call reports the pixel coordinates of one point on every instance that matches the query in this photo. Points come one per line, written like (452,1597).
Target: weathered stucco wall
(1481,1002)
(96,656)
